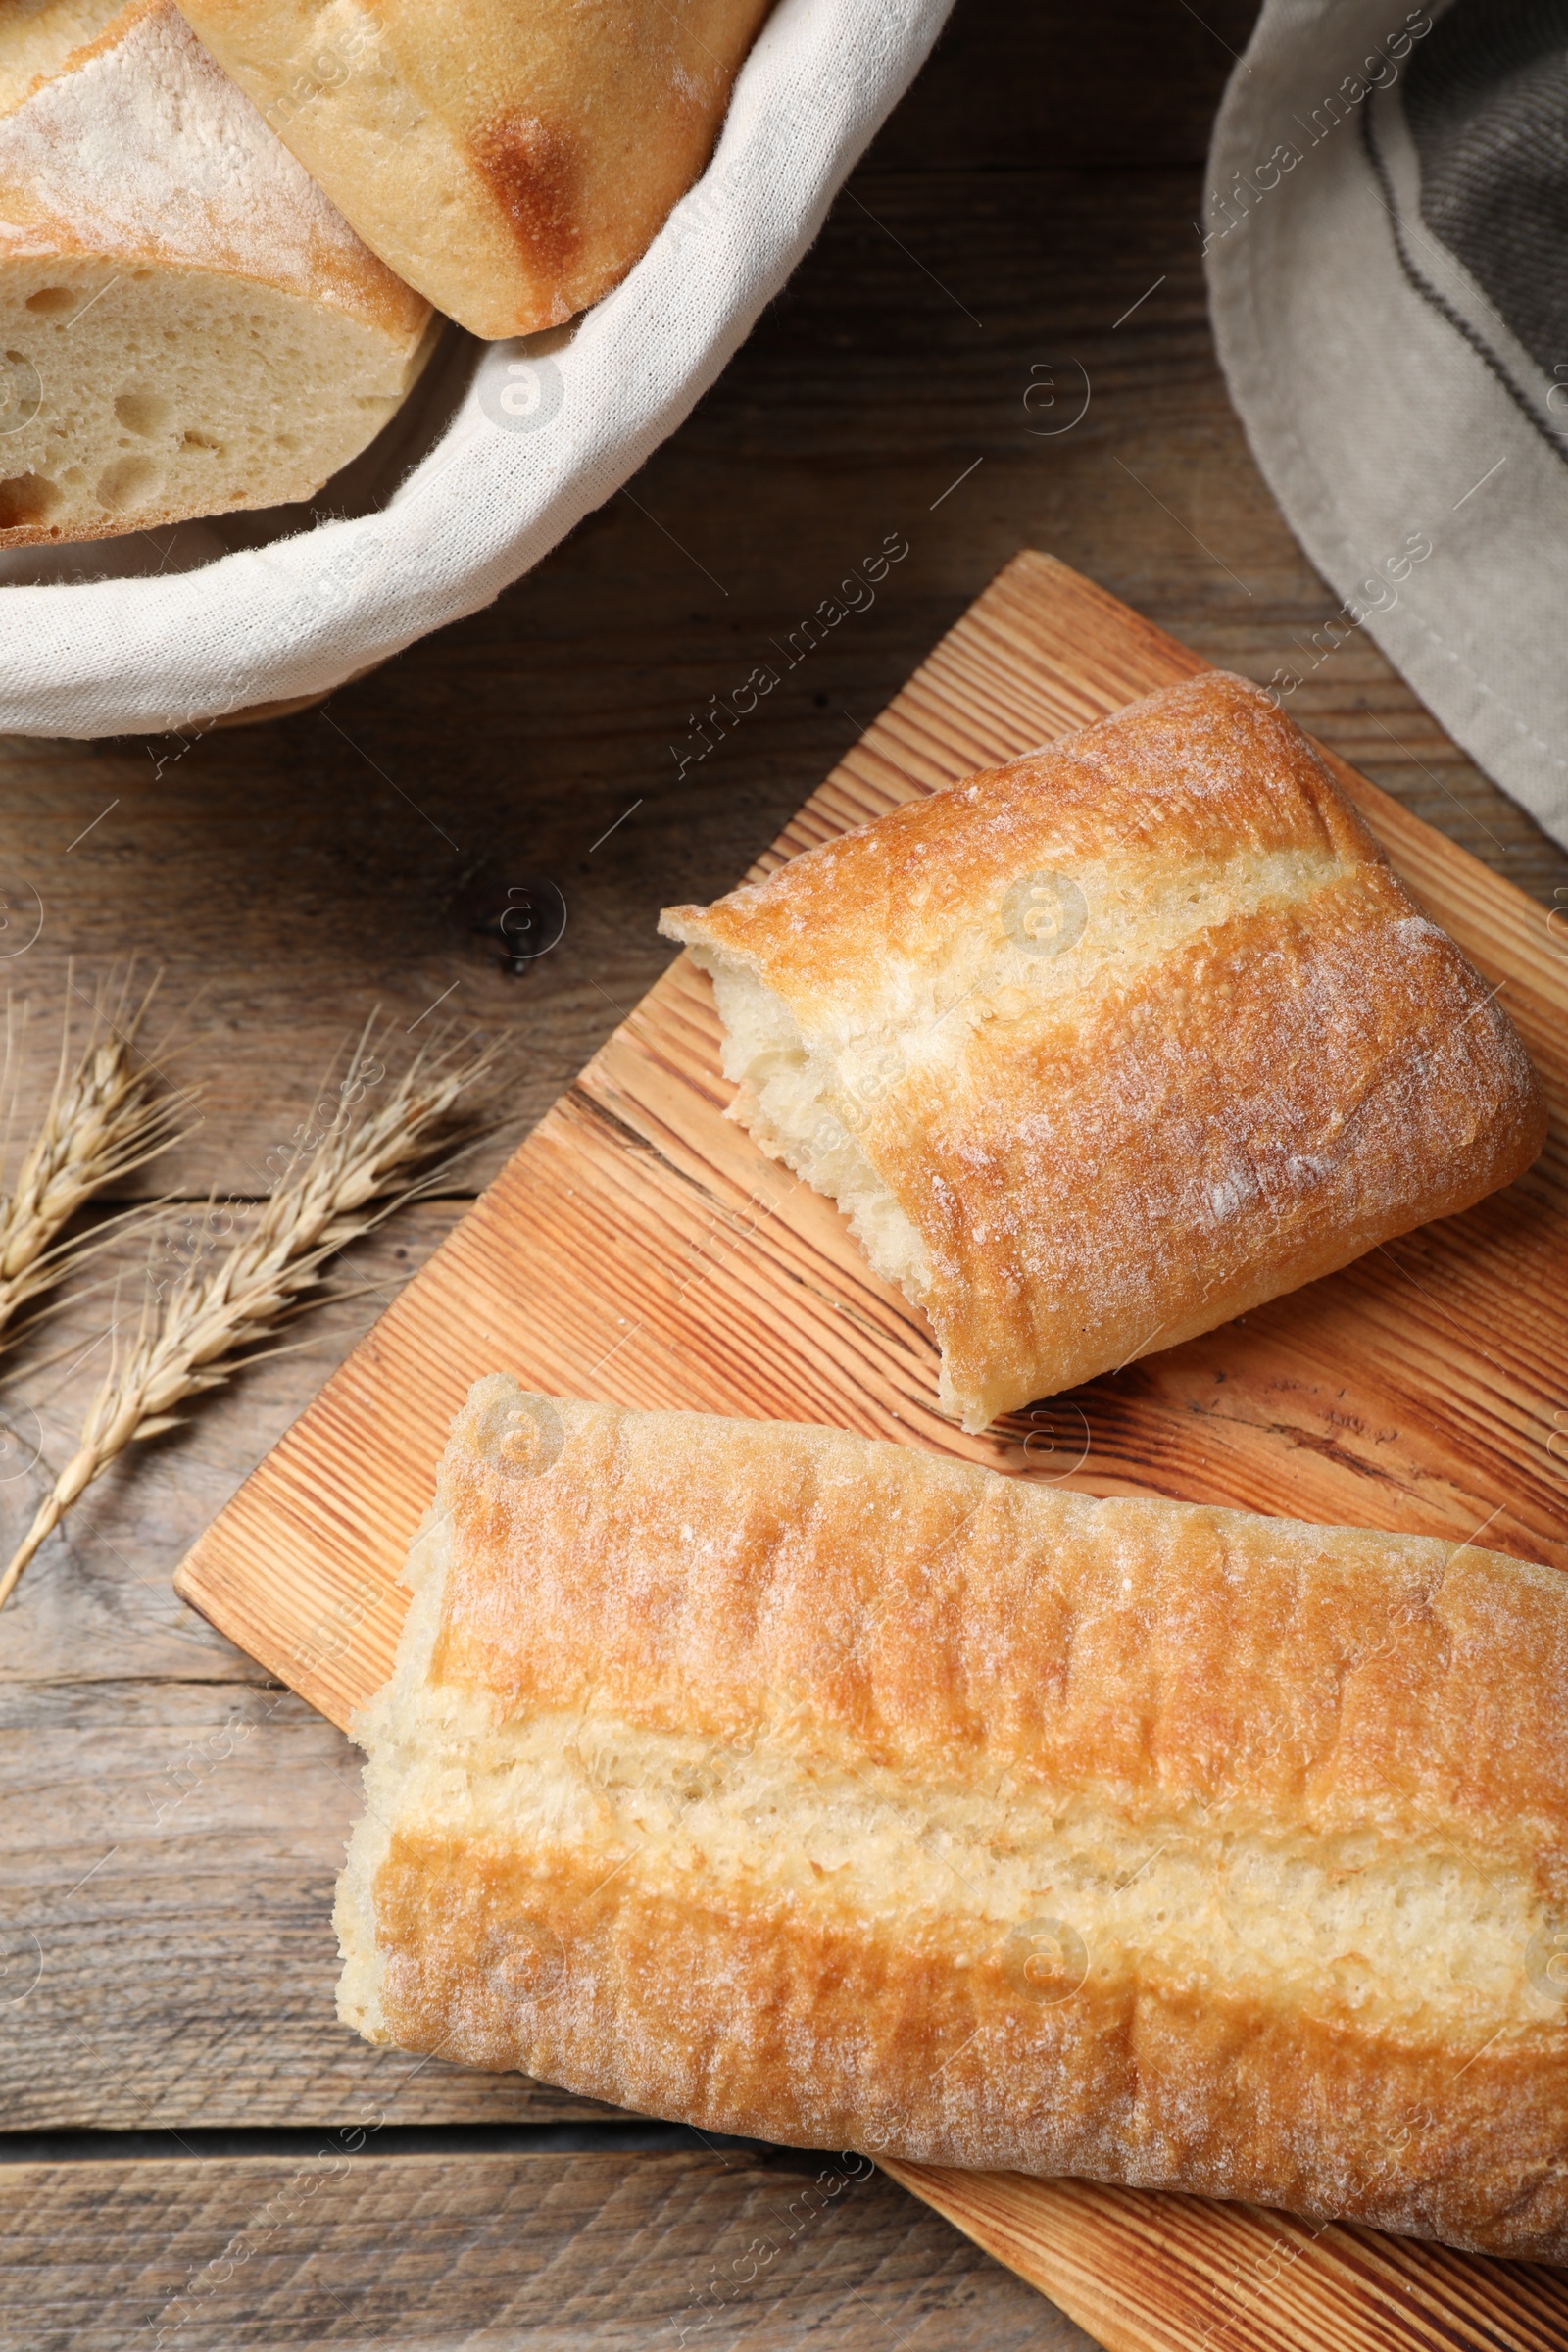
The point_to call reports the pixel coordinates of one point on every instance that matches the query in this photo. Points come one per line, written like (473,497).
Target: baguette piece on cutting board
(794,1785)
(188,325)
(1107,1046)
(511,162)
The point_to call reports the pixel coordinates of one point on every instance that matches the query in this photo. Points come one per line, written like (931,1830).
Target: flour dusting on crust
(146,151)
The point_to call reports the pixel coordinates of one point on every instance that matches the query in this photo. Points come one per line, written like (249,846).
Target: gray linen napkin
(1385,234)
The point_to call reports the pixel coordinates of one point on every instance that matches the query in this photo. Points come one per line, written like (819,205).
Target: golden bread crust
(510,162)
(136,148)
(789,1784)
(1231,1055)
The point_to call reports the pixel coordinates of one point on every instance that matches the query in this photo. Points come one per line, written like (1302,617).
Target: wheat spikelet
(105,1116)
(195,1332)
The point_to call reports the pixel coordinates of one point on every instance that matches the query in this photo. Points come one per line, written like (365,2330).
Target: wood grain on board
(638,1248)
(1169,2273)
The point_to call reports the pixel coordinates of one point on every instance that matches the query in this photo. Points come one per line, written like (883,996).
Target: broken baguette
(1106,1047)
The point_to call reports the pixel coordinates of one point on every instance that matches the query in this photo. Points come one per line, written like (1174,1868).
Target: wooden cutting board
(638,1248)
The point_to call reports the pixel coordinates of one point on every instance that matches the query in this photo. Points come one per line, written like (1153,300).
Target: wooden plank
(639,1247)
(168,1855)
(603,2253)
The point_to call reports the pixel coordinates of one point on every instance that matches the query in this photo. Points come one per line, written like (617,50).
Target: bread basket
(502,449)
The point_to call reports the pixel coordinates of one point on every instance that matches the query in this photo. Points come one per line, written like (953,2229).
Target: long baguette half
(188,325)
(793,1784)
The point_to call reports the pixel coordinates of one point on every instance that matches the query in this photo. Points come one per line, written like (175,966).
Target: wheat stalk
(196,1333)
(105,1117)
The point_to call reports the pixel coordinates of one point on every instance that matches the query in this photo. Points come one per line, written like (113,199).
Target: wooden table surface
(196,2153)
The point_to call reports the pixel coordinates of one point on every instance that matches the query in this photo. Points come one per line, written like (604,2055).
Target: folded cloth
(545,431)
(1386,231)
